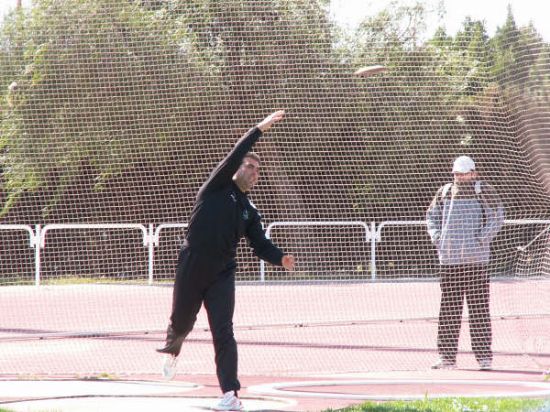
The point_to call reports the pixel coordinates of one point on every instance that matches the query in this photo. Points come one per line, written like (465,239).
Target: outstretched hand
(270,120)
(288,262)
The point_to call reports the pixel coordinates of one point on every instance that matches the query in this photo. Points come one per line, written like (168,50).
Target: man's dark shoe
(173,343)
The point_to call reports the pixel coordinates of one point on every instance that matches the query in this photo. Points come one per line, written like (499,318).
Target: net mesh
(116,112)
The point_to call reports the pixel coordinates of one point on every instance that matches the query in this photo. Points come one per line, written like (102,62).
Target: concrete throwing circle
(405,389)
(115,396)
(73,388)
(143,404)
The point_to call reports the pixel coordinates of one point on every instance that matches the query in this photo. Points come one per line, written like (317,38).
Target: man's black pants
(200,279)
(459,282)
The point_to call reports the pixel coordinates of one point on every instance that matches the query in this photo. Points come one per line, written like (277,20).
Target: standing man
(463,219)
(205,272)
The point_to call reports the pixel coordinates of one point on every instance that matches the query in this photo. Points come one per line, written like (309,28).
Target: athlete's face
(248,174)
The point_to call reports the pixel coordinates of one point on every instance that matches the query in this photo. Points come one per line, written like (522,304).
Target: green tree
(89,92)
(506,48)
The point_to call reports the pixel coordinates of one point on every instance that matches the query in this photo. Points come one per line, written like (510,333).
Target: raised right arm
(224,171)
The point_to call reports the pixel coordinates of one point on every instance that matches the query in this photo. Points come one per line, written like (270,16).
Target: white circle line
(115,404)
(79,388)
(278,389)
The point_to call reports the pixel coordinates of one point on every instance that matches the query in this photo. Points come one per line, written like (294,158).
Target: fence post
(37,247)
(373,239)
(151,252)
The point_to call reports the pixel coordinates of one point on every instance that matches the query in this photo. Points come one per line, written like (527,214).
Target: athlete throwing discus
(206,265)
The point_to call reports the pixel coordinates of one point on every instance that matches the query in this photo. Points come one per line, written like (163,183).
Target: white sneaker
(485,364)
(444,364)
(229,402)
(169,367)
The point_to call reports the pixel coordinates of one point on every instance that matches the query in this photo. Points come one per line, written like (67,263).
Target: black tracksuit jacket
(223,214)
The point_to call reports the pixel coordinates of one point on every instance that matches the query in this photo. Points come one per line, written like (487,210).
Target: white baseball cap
(463,164)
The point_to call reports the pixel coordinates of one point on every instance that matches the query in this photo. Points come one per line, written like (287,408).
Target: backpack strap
(477,187)
(445,190)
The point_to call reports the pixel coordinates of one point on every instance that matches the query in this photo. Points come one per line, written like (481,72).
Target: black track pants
(459,282)
(199,280)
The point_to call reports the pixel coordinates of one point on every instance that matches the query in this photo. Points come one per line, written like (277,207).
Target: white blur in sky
(492,12)
(350,12)
(8,5)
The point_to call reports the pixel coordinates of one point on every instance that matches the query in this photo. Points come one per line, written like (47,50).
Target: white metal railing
(151,235)
(32,241)
(378,237)
(382,225)
(41,236)
(154,241)
(26,228)
(374,235)
(368,233)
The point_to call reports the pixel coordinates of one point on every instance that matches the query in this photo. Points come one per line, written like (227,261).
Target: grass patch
(85,280)
(454,405)
(89,280)
(16,281)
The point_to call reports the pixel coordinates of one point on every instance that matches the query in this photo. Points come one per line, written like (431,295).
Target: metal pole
(37,247)
(373,251)
(151,252)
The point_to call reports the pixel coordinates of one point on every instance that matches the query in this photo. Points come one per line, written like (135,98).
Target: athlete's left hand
(288,262)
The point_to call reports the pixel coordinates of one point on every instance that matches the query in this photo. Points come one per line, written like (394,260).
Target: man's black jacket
(223,214)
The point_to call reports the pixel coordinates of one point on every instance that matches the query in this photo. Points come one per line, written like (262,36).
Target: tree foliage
(101,93)
(87,91)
